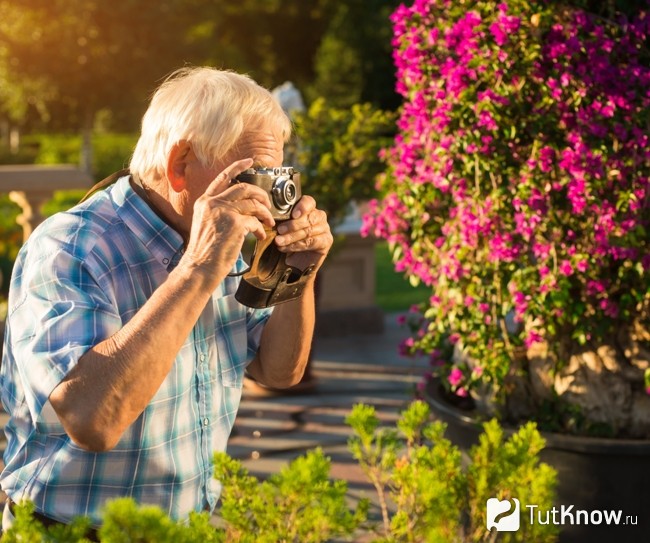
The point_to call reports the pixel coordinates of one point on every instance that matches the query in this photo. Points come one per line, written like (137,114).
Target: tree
(80,56)
(354,60)
(273,41)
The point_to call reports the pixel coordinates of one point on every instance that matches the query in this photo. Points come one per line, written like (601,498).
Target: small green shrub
(299,504)
(437,500)
(426,491)
(124,522)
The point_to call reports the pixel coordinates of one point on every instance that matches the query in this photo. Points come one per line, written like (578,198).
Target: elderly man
(125,348)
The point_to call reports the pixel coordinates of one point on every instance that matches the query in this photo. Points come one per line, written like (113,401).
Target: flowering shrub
(518,187)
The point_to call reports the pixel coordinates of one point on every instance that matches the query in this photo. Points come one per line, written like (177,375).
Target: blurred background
(76,76)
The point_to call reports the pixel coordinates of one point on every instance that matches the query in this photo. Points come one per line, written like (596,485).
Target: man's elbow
(279,380)
(93,441)
(89,432)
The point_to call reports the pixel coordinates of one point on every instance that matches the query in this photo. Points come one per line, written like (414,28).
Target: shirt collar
(164,243)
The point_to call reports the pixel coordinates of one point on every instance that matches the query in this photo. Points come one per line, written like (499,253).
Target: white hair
(208,107)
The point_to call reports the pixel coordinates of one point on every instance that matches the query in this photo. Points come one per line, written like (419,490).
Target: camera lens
(284,193)
(289,192)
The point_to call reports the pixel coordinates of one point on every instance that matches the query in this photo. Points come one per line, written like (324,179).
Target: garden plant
(434,495)
(518,190)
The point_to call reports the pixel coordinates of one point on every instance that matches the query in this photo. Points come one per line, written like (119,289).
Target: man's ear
(177,161)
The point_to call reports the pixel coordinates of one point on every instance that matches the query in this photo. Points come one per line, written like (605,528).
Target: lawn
(393,291)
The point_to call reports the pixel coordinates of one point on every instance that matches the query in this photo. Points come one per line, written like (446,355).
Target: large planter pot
(595,475)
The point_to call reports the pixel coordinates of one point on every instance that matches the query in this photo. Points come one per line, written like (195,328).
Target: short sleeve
(60,314)
(255,321)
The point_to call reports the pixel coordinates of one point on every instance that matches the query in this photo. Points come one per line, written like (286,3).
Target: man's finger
(305,205)
(254,208)
(232,171)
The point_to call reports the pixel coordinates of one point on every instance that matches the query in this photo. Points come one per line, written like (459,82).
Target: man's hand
(306,237)
(223,216)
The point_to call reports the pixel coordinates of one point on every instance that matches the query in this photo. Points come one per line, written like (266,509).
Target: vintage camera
(282,185)
(269,280)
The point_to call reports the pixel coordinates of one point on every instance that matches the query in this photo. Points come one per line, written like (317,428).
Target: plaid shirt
(81,276)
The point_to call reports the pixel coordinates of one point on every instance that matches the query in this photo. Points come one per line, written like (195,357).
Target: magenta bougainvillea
(518,186)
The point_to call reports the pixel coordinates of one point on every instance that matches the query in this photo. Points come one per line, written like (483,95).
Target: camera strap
(105,183)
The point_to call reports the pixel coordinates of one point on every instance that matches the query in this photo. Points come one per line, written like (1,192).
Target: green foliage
(436,498)
(111,152)
(435,495)
(26,530)
(124,522)
(393,292)
(510,469)
(71,58)
(339,153)
(298,504)
(11,238)
(353,62)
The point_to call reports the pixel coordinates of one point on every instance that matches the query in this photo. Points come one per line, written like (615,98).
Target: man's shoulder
(77,230)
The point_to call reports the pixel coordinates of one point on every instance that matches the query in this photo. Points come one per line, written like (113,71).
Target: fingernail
(296,214)
(282,229)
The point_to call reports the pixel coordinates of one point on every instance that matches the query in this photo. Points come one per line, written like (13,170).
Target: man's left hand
(306,236)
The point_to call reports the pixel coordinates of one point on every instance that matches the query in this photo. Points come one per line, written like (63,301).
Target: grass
(393,291)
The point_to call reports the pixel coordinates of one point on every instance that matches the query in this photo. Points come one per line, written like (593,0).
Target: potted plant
(518,189)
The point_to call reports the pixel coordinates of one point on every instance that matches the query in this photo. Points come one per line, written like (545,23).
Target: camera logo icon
(504,515)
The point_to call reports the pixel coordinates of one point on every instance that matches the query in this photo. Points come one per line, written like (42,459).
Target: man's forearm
(286,342)
(114,381)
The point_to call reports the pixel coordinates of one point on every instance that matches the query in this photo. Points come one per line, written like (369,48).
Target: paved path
(270,431)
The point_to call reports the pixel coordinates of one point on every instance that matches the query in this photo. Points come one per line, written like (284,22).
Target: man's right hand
(223,216)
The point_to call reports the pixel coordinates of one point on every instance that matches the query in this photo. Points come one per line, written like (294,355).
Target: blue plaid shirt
(80,277)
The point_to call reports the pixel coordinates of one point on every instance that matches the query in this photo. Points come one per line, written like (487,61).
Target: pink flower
(455,377)
(566,268)
(462,392)
(532,338)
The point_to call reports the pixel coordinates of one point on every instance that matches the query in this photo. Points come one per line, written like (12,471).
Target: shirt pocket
(232,345)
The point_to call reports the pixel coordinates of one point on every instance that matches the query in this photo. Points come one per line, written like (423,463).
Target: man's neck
(168,208)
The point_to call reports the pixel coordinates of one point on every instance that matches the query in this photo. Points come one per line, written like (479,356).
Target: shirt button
(202,357)
(206,422)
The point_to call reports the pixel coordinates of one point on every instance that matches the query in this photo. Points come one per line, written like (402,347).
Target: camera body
(281,184)
(270,280)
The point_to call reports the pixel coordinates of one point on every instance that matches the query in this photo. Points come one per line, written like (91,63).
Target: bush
(338,153)
(436,498)
(518,189)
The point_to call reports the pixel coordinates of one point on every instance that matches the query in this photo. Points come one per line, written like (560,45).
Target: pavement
(357,368)
(348,369)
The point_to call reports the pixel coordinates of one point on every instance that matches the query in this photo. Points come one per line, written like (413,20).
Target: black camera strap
(105,183)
